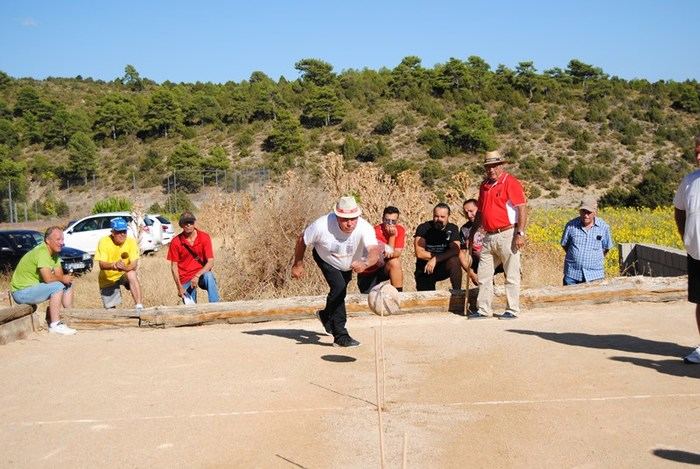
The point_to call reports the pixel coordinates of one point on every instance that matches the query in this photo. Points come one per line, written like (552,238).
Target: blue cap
(118,224)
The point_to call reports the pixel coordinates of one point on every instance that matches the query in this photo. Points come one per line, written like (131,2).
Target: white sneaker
(693,358)
(139,307)
(61,328)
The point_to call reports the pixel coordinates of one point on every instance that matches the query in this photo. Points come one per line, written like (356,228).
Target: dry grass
(254,237)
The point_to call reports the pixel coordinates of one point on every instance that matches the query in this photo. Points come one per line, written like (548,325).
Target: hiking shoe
(326,325)
(61,328)
(693,358)
(345,341)
(476,315)
(138,307)
(508,315)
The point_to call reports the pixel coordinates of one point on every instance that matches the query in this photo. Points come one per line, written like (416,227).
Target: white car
(85,233)
(166,227)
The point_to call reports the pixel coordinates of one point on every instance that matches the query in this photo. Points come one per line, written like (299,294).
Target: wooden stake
(381,347)
(379,404)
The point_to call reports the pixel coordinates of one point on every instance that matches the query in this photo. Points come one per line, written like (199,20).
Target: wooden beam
(14,312)
(616,289)
(20,328)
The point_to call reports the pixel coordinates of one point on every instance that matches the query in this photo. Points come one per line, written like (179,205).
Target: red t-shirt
(187,266)
(497,201)
(399,243)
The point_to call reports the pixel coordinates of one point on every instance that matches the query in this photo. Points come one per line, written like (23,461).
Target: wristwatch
(521,233)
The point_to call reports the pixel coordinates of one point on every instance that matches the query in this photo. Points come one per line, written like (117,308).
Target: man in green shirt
(39,277)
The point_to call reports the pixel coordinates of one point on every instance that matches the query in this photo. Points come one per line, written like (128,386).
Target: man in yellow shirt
(118,257)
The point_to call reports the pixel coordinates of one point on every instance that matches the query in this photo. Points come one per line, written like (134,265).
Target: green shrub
(351,147)
(395,167)
(370,152)
(177,202)
(431,171)
(562,168)
(579,143)
(429,136)
(113,204)
(605,156)
(348,125)
(439,149)
(583,175)
(52,206)
(386,125)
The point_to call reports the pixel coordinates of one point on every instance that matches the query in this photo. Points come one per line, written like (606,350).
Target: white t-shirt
(688,199)
(335,247)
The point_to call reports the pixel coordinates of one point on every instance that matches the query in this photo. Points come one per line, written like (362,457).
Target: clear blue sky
(218,41)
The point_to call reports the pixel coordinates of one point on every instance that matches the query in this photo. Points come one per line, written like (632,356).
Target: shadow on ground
(622,342)
(338,358)
(678,455)
(669,367)
(627,343)
(300,335)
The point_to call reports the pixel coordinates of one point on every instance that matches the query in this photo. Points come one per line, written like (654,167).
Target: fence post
(9,199)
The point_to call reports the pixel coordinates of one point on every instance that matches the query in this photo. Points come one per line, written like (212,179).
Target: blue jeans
(38,293)
(206,282)
(571,281)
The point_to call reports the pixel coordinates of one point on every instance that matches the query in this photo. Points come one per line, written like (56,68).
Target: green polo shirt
(27,272)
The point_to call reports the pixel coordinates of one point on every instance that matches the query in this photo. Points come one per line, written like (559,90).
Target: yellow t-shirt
(107,251)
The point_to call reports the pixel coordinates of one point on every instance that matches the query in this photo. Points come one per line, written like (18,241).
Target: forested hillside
(563,129)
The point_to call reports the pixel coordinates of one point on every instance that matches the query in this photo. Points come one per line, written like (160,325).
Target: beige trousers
(499,247)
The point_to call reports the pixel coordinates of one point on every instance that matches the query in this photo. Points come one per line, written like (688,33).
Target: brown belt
(501,229)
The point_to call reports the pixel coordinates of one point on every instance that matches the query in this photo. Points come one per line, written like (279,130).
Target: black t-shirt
(436,241)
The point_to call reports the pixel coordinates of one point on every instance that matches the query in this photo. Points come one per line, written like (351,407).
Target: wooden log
(100,318)
(607,291)
(20,328)
(14,312)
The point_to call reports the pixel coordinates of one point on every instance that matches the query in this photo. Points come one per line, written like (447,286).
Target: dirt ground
(596,386)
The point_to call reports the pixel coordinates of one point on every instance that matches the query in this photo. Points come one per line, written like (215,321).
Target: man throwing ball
(338,240)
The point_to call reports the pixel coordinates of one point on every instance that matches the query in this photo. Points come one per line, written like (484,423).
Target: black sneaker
(326,325)
(508,315)
(345,341)
(476,315)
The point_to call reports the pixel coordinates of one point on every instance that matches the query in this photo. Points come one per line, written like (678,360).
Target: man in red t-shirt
(191,258)
(503,216)
(393,238)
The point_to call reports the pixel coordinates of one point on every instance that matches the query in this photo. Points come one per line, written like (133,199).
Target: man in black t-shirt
(437,251)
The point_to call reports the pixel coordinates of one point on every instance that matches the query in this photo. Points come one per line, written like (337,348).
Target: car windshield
(25,240)
(163,220)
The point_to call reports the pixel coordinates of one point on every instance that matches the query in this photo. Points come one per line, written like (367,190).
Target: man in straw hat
(586,240)
(687,215)
(339,240)
(503,210)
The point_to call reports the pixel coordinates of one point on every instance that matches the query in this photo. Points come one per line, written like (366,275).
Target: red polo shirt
(497,201)
(187,266)
(399,243)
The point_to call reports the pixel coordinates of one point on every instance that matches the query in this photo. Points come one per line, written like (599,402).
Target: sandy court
(587,386)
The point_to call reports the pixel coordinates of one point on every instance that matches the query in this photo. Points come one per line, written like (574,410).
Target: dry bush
(542,265)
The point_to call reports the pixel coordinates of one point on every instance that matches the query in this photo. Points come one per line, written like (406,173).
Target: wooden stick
(381,346)
(379,404)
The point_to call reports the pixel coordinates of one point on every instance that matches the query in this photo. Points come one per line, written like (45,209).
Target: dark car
(16,243)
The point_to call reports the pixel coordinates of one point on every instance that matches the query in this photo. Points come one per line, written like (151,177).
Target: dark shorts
(366,282)
(693,280)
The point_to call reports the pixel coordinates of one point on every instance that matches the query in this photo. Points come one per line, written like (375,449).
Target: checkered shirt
(585,250)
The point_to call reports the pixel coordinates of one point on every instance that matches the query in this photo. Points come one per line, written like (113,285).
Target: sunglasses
(120,232)
(389,221)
